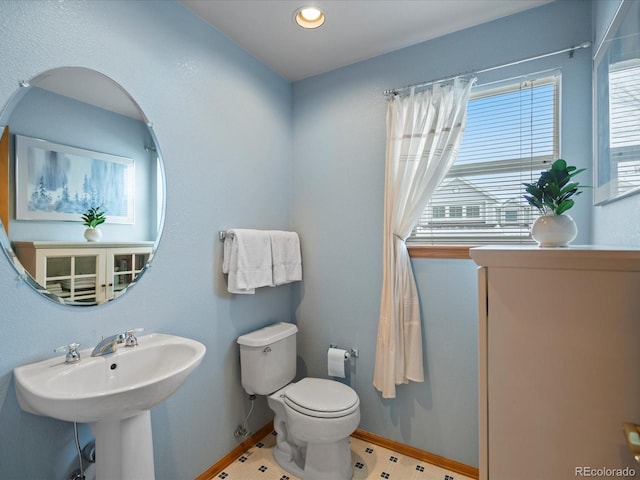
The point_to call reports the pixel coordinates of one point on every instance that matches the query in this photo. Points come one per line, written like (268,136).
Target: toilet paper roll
(336,358)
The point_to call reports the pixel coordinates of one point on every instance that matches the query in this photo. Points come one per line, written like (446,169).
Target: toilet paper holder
(352,352)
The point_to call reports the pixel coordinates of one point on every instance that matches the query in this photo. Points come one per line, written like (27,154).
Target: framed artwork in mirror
(616,107)
(60,183)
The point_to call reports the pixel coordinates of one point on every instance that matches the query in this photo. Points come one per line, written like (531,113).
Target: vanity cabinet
(84,272)
(559,361)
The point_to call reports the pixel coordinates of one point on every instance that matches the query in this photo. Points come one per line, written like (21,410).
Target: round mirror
(82,192)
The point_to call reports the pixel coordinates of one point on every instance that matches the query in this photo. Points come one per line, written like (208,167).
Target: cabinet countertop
(579,257)
(53,244)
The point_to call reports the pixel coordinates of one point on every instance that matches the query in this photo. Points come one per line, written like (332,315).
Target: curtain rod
(395,91)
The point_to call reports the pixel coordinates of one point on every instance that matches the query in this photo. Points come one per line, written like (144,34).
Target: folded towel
(286,258)
(247,260)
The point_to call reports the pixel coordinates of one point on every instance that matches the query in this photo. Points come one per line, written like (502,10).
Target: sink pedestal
(124,448)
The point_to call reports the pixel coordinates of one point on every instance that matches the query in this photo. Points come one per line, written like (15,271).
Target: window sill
(440,251)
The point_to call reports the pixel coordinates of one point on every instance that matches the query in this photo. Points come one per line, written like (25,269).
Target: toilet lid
(321,397)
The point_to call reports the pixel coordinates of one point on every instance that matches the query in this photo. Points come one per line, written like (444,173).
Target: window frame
(417,244)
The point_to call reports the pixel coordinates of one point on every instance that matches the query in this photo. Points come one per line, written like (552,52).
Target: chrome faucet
(130,339)
(73,355)
(108,345)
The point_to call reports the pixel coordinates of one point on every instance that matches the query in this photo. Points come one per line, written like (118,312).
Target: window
(624,123)
(439,211)
(473,211)
(511,135)
(455,211)
(616,107)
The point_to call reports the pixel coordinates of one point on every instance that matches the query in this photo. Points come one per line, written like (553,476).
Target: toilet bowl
(321,410)
(314,417)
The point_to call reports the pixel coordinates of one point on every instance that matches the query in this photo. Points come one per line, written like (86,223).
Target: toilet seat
(322,398)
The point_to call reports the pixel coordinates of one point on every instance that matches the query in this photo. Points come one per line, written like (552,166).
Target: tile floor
(370,462)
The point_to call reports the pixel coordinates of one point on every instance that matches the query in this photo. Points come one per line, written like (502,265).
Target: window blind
(624,123)
(511,135)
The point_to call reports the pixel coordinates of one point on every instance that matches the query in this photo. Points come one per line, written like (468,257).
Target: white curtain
(424,131)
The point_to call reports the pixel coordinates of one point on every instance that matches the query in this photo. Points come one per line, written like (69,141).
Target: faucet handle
(130,339)
(72,352)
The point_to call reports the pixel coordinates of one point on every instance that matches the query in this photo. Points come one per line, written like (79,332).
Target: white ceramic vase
(554,230)
(92,234)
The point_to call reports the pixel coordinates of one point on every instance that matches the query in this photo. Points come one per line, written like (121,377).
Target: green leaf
(554,189)
(564,206)
(93,217)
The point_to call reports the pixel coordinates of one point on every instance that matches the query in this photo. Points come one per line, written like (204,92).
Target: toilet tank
(268,358)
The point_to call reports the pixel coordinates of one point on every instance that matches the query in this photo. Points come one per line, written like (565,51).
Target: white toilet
(313,417)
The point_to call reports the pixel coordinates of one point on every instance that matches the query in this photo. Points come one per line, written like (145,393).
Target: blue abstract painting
(58,182)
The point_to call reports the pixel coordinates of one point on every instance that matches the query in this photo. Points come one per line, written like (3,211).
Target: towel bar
(222,234)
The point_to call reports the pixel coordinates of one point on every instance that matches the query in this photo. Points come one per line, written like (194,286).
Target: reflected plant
(94,217)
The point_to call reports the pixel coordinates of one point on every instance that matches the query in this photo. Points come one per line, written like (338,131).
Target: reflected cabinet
(559,358)
(88,273)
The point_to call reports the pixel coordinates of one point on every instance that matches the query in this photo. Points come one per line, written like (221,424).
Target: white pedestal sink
(113,393)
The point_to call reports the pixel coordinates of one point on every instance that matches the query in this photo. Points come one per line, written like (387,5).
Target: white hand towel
(247,260)
(287,260)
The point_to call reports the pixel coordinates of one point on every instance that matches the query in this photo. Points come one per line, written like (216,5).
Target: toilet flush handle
(266,350)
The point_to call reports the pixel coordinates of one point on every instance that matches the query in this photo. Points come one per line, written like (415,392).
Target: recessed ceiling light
(309,17)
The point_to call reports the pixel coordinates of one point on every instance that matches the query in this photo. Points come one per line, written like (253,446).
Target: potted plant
(551,195)
(92,219)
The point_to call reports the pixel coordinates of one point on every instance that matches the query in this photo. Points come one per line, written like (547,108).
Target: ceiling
(354,30)
(82,84)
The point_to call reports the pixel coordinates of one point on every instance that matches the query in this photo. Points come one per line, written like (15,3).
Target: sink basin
(114,394)
(113,386)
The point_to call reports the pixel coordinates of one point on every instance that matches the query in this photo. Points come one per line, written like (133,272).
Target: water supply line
(242,431)
(77,474)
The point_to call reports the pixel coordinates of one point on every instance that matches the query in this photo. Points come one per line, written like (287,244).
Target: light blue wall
(231,142)
(223,121)
(338,177)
